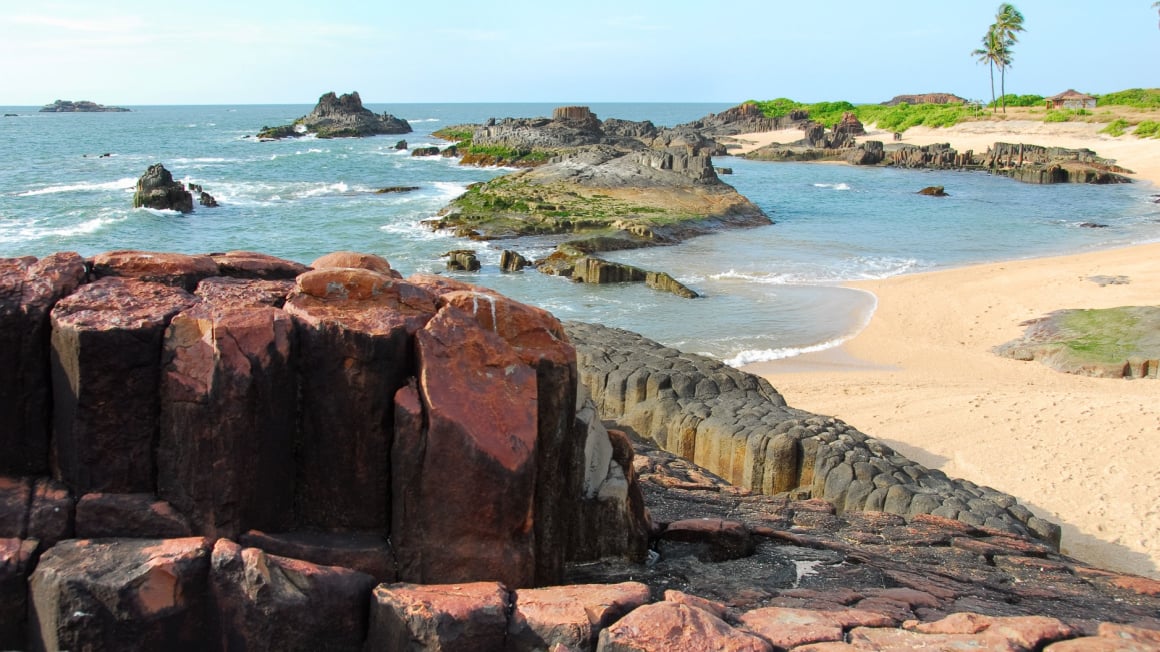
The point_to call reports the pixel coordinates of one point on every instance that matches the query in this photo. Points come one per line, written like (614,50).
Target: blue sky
(129,52)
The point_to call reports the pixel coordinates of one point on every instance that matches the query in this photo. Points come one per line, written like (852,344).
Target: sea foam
(127,183)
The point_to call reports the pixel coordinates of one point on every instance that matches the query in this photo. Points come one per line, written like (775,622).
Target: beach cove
(1078,450)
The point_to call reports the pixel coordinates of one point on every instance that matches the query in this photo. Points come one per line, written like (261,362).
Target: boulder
(356,260)
(464,458)
(177,270)
(451,618)
(571,616)
(462,260)
(100,516)
(157,189)
(267,602)
(229,399)
(355,331)
(121,594)
(366,552)
(29,289)
(677,627)
(512,261)
(251,264)
(106,354)
(425,151)
(17,559)
(933,191)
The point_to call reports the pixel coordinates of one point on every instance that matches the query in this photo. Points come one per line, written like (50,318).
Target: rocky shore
(83,106)
(362,496)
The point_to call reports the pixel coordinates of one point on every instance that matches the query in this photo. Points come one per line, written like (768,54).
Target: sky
(138,52)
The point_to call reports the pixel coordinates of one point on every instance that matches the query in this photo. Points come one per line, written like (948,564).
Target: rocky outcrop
(925,98)
(82,106)
(339,117)
(737,426)
(934,191)
(1119,342)
(744,119)
(1036,164)
(157,189)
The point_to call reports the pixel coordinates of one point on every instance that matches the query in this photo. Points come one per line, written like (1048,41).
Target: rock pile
(194,443)
(157,189)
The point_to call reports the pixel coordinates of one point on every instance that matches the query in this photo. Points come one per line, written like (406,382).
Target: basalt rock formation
(345,460)
(339,117)
(925,98)
(1119,342)
(375,429)
(157,189)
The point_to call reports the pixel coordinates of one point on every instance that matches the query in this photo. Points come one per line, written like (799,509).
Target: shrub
(1139,98)
(1115,128)
(1148,129)
(1018,100)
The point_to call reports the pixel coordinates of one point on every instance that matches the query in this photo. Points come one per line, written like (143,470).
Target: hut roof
(1071,94)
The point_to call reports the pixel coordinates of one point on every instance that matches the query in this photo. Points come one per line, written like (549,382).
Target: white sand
(1083,452)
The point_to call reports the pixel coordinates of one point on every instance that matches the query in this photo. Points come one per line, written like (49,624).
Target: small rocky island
(342,116)
(600,185)
(83,106)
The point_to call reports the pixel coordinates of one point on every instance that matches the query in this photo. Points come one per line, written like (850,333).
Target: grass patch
(1137,98)
(1105,336)
(1115,128)
(1065,115)
(891,118)
(1010,100)
(1148,129)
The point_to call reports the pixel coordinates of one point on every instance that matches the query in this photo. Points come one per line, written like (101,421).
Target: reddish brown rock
(716,608)
(243,292)
(1140,585)
(229,403)
(676,628)
(268,602)
(364,552)
(121,594)
(253,265)
(786,627)
(1024,632)
(50,512)
(17,557)
(450,618)
(354,259)
(106,352)
(128,515)
(464,472)
(539,340)
(28,290)
(570,615)
(438,284)
(355,332)
(176,270)
(15,496)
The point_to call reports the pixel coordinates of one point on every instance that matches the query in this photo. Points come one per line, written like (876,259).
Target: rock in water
(933,191)
(339,117)
(157,189)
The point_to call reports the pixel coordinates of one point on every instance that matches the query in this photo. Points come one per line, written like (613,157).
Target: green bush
(1139,98)
(1065,115)
(1115,128)
(1017,100)
(1148,129)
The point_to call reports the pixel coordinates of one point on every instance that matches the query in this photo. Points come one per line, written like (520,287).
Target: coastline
(921,376)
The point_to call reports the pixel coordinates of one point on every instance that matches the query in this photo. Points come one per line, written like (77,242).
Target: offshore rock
(80,106)
(29,288)
(121,594)
(264,601)
(106,355)
(339,117)
(157,189)
(933,191)
(512,261)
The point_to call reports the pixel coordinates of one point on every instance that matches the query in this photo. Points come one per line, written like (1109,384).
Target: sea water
(66,184)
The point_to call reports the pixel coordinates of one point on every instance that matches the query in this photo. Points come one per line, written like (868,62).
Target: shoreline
(921,376)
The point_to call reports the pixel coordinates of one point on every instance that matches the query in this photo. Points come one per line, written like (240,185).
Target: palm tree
(1008,24)
(991,54)
(1156,5)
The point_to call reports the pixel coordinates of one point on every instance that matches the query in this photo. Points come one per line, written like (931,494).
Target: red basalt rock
(1025,632)
(365,552)
(787,627)
(677,628)
(539,340)
(718,609)
(354,259)
(268,602)
(254,265)
(229,403)
(464,459)
(355,331)
(35,508)
(570,615)
(449,618)
(243,292)
(128,515)
(106,353)
(120,594)
(29,288)
(176,270)
(17,557)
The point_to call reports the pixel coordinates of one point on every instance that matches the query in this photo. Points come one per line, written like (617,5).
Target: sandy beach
(1083,452)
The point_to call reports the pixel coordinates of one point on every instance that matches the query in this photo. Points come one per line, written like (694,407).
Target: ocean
(67,180)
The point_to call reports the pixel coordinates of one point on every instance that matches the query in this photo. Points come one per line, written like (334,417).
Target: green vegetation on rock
(1110,342)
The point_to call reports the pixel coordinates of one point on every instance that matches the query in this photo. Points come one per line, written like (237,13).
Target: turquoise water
(769,292)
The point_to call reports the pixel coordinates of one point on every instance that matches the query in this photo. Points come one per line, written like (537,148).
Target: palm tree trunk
(1003,86)
(992,67)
